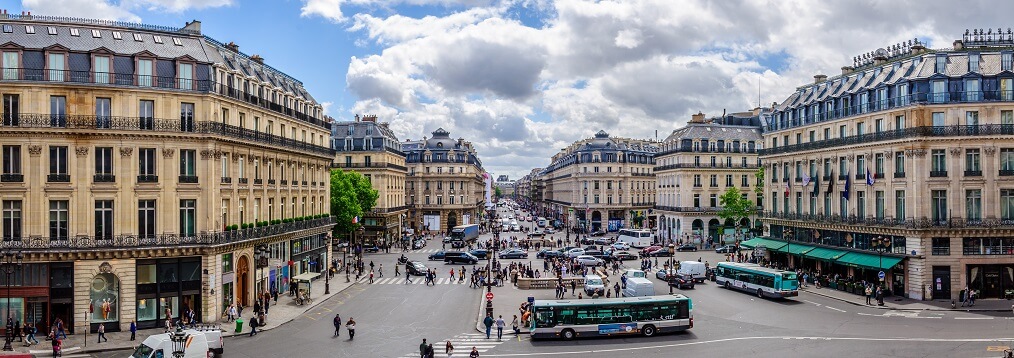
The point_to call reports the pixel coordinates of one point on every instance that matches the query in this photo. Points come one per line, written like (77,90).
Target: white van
(635,238)
(631,273)
(639,286)
(198,345)
(694,269)
(593,283)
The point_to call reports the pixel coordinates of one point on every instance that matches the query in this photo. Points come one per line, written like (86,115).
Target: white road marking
(973,317)
(836,309)
(957,340)
(815,303)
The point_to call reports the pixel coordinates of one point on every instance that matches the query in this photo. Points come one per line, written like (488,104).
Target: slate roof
(713,131)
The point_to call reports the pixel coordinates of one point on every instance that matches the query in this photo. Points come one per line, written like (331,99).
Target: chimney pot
(818,78)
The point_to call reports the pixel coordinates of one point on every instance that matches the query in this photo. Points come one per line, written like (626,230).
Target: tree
(735,206)
(351,196)
(498,192)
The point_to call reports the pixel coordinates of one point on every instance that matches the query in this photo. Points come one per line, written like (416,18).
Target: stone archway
(243,280)
(697,230)
(713,231)
(452,220)
(596,220)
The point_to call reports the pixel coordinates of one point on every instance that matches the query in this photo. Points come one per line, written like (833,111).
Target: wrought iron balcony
(12,178)
(304,183)
(938,173)
(1006,173)
(244,180)
(284,182)
(258,181)
(226,180)
(271,182)
(973,173)
(899,134)
(898,175)
(58,178)
(878,175)
(843,176)
(798,179)
(104,178)
(188,179)
(147,178)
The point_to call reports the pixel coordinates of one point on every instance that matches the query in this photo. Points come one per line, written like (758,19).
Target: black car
(598,233)
(727,249)
(681,281)
(587,241)
(438,256)
(458,257)
(623,256)
(597,254)
(415,268)
(457,244)
(547,253)
(479,253)
(663,252)
(686,247)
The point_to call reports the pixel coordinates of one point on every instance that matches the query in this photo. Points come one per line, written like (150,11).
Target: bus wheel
(648,331)
(567,334)
(760,293)
(727,285)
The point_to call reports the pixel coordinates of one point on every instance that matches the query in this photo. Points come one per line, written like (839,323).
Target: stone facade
(444,183)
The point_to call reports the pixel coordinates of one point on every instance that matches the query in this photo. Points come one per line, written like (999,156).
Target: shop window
(104,296)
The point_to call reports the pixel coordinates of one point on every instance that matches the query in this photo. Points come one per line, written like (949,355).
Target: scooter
(402,260)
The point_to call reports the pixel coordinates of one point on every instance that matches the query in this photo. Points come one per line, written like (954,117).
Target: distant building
(445,185)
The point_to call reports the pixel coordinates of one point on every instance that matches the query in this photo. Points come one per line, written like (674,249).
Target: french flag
(355,219)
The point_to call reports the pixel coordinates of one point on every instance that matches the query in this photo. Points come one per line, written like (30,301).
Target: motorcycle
(402,260)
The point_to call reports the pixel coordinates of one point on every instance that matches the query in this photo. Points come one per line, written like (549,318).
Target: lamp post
(262,261)
(179,340)
(327,271)
(11,263)
(881,244)
(787,234)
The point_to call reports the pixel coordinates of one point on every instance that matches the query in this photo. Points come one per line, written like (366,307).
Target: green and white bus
(753,278)
(646,315)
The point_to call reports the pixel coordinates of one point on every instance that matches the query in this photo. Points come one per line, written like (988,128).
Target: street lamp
(327,271)
(262,261)
(179,340)
(881,244)
(11,263)
(787,234)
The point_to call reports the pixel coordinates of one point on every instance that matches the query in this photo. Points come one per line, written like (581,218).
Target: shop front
(991,281)
(29,295)
(309,254)
(167,289)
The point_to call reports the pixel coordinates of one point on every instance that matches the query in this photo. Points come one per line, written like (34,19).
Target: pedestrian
(429,351)
(422,349)
(380,270)
(573,287)
(449,349)
(31,335)
(337,325)
(474,354)
(102,333)
(869,294)
(17,331)
(253,325)
(499,328)
(488,322)
(408,275)
(168,325)
(514,325)
(971,297)
(397,272)
(371,276)
(351,326)
(59,329)
(133,330)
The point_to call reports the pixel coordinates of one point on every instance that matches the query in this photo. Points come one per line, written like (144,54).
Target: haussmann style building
(445,186)
(149,170)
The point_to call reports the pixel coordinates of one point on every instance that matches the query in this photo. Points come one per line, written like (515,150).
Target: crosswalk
(463,344)
(416,280)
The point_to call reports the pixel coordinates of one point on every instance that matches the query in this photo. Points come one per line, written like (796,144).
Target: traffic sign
(531,299)
(489,295)
(881,274)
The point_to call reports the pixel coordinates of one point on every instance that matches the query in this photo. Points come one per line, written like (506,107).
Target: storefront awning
(824,254)
(306,276)
(760,241)
(795,249)
(856,259)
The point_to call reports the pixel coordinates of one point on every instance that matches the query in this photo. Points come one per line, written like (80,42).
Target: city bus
(753,278)
(635,238)
(646,316)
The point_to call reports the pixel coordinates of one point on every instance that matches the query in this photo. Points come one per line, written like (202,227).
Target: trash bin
(239,325)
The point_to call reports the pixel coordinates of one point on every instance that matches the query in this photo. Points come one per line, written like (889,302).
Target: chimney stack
(257,58)
(232,46)
(697,118)
(819,78)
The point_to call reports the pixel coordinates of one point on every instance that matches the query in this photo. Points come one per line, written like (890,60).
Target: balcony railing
(689,209)
(12,178)
(58,178)
(910,223)
(258,181)
(226,180)
(147,178)
(1006,173)
(188,179)
(642,174)
(104,178)
(304,183)
(284,182)
(878,175)
(938,173)
(101,123)
(898,134)
(843,176)
(898,175)
(167,240)
(973,173)
(704,166)
(271,182)
(244,180)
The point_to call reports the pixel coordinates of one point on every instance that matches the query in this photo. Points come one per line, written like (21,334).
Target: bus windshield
(789,282)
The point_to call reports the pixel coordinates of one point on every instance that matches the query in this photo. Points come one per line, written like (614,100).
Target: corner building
(371,149)
(143,164)
(445,184)
(600,183)
(914,149)
(696,165)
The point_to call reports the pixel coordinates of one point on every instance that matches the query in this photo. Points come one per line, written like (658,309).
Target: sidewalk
(283,312)
(901,303)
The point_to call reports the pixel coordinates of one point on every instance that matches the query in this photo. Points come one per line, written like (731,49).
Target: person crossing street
(499,328)
(488,322)
(337,325)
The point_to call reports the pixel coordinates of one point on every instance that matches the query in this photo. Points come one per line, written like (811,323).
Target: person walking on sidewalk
(232,312)
(253,325)
(371,276)
(396,271)
(449,349)
(488,322)
(133,330)
(514,325)
(422,349)
(351,326)
(499,328)
(337,325)
(408,275)
(30,333)
(102,333)
(869,295)
(59,329)
(380,270)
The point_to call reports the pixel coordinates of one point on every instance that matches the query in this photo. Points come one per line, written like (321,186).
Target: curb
(906,309)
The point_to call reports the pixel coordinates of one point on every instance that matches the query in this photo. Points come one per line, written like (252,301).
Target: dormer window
(1006,60)
(117,35)
(973,62)
(176,41)
(158,39)
(29,29)
(137,37)
(369,130)
(96,34)
(52,30)
(186,76)
(75,33)
(351,129)
(8,29)
(348,144)
(941,64)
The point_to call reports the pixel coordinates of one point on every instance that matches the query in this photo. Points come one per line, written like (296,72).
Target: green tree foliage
(351,195)
(735,206)
(498,192)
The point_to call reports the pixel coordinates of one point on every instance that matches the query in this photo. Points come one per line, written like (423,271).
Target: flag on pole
(848,184)
(816,184)
(355,219)
(830,182)
(786,190)
(806,179)
(869,178)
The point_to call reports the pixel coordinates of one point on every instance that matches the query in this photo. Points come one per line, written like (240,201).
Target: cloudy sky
(522,79)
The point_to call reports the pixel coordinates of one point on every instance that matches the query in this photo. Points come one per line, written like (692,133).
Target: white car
(589,260)
(575,252)
(622,246)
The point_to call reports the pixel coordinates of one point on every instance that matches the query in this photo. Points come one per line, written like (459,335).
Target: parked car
(686,247)
(415,268)
(547,253)
(458,257)
(479,253)
(589,260)
(664,274)
(587,240)
(623,256)
(536,233)
(727,249)
(513,254)
(575,252)
(598,233)
(681,281)
(604,240)
(621,246)
(373,248)
(437,256)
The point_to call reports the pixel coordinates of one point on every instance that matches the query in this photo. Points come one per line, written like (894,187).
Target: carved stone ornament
(126,151)
(990,151)
(955,152)
(35,149)
(168,153)
(852,158)
(834,160)
(105,267)
(218,154)
(81,151)
(206,154)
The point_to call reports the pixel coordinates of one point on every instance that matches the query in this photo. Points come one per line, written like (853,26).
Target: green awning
(824,254)
(857,259)
(795,249)
(760,241)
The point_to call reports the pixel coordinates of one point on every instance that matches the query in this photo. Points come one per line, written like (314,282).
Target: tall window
(972,92)
(938,91)
(879,203)
(899,122)
(1006,206)
(1006,161)
(939,161)
(11,161)
(12,220)
(879,164)
(827,204)
(57,111)
(188,162)
(56,66)
(899,204)
(188,217)
(58,219)
(12,110)
(101,69)
(103,219)
(972,118)
(146,218)
(11,65)
(861,204)
(861,165)
(899,163)
(973,205)
(102,112)
(939,208)
(938,119)
(1007,116)
(973,167)
(146,114)
(144,73)
(58,164)
(146,165)
(104,164)
(186,76)
(187,117)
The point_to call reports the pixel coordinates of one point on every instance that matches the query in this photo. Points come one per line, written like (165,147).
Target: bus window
(566,317)
(544,318)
